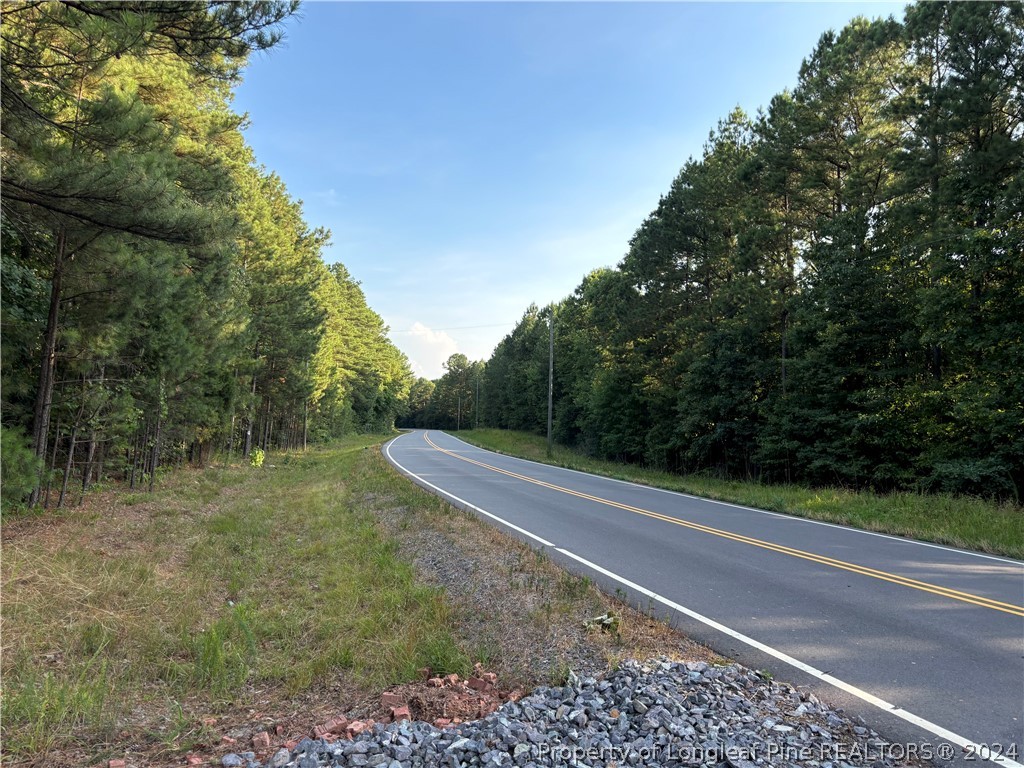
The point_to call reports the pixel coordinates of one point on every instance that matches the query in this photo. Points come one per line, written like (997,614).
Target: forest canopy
(832,293)
(163,295)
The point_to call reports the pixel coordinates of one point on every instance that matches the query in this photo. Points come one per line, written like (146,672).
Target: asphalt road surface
(925,642)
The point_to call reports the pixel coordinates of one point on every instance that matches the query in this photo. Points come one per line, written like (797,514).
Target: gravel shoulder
(527,619)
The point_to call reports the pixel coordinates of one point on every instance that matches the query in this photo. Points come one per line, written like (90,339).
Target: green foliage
(831,294)
(163,296)
(19,467)
(256,458)
(452,401)
(48,704)
(286,583)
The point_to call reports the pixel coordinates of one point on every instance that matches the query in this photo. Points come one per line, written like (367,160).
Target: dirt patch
(527,619)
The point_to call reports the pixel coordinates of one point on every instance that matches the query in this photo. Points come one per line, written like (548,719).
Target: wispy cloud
(426,349)
(329,198)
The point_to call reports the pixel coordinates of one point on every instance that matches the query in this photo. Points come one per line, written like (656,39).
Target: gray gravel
(658,714)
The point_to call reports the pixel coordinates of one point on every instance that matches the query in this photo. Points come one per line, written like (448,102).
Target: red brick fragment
(355,728)
(490,677)
(291,744)
(391,700)
(337,724)
(477,684)
(115,764)
(261,740)
(228,740)
(400,713)
(279,730)
(194,760)
(435,682)
(451,679)
(441,722)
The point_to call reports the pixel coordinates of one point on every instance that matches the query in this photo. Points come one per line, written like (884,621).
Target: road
(925,642)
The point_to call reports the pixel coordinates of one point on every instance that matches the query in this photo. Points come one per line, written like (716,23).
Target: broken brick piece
(261,740)
(194,760)
(451,679)
(391,700)
(355,728)
(490,677)
(115,764)
(399,713)
(435,682)
(477,684)
(441,722)
(337,724)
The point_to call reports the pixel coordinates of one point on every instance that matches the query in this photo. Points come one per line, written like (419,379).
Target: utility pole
(458,418)
(476,403)
(551,371)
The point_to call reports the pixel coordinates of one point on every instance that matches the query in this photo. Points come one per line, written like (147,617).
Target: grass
(142,613)
(957,521)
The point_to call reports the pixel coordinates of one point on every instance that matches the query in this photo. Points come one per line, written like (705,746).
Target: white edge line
(794,518)
(937,730)
(453,497)
(885,706)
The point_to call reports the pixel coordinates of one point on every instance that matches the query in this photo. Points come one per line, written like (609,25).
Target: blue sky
(472,158)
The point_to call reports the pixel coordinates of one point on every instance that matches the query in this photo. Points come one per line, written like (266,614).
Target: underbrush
(149,611)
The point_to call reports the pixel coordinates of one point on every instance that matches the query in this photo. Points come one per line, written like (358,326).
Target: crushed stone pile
(658,714)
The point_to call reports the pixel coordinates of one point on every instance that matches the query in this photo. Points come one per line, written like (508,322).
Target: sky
(473,158)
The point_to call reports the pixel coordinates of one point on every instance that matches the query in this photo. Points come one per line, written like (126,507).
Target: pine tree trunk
(44,392)
(252,408)
(90,457)
(87,471)
(101,461)
(135,459)
(138,459)
(156,453)
(53,466)
(67,468)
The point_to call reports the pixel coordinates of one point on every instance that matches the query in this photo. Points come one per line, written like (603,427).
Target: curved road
(925,642)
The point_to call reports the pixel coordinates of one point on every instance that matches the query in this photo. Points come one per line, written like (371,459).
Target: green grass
(965,522)
(157,608)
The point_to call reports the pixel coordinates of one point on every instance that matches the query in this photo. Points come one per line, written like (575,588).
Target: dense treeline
(832,293)
(163,296)
(452,402)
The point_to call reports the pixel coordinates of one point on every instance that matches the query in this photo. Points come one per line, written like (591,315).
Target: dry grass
(129,621)
(234,600)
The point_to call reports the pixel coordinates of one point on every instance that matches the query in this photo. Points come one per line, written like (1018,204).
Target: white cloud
(426,349)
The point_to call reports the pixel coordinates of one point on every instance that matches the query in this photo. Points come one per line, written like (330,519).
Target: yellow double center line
(923,586)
